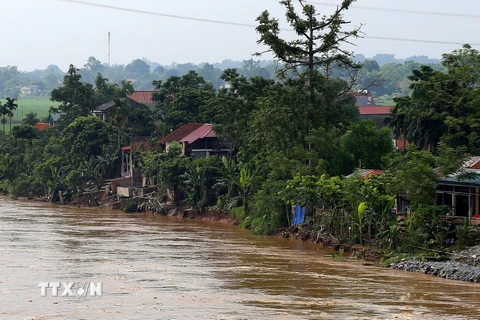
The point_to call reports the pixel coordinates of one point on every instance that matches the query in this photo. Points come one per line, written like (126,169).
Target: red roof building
(198,140)
(376,113)
(180,133)
(363,98)
(145,97)
(205,131)
(366,173)
(374,110)
(40,126)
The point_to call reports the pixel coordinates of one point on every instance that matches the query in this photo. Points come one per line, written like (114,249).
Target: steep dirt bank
(320,237)
(207,215)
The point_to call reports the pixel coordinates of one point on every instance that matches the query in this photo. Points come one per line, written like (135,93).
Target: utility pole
(109,62)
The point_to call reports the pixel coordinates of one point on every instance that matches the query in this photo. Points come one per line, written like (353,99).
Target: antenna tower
(109,63)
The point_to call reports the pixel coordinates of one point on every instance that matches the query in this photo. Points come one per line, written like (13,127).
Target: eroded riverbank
(156,267)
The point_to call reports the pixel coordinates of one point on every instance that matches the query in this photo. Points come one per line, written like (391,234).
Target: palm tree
(4,112)
(11,105)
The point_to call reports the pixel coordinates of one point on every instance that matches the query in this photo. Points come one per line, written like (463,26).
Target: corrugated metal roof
(180,133)
(54,116)
(142,96)
(384,110)
(454,178)
(205,131)
(104,107)
(366,173)
(109,104)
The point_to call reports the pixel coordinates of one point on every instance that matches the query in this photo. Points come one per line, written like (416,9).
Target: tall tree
(319,46)
(86,138)
(413,175)
(76,98)
(443,106)
(137,68)
(312,56)
(120,114)
(368,144)
(30,118)
(91,69)
(180,100)
(231,109)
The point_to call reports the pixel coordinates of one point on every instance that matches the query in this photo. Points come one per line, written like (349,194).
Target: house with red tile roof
(40,126)
(203,142)
(197,139)
(145,97)
(178,134)
(368,109)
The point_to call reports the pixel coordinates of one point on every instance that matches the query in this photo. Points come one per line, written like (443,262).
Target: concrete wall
(121,182)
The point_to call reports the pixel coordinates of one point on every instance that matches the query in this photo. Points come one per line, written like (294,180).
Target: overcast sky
(36,33)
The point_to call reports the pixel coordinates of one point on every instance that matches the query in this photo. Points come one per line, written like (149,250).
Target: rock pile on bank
(449,269)
(469,255)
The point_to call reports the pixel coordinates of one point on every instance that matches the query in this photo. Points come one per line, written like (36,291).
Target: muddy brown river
(154,267)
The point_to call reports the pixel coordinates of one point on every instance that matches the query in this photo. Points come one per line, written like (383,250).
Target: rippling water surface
(155,267)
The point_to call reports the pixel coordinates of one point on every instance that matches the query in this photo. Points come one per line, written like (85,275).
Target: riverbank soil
(309,233)
(208,215)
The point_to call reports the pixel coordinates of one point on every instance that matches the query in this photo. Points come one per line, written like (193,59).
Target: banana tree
(245,182)
(359,220)
(229,174)
(196,185)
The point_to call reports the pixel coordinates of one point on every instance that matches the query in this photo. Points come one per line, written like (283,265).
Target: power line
(238,24)
(420,41)
(158,13)
(444,14)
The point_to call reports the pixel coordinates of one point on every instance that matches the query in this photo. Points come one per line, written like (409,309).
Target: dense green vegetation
(295,138)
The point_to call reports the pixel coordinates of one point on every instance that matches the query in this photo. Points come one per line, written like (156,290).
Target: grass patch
(385,102)
(39,106)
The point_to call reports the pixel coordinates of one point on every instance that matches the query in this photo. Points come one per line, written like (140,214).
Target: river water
(154,267)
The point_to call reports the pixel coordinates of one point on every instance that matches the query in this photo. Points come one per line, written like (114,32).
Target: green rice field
(39,106)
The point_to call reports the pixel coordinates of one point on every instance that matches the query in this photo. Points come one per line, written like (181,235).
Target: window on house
(461,206)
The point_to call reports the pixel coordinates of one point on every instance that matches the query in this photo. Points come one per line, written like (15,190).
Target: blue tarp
(299,214)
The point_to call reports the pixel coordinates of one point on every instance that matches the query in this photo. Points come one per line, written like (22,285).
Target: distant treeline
(383,75)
